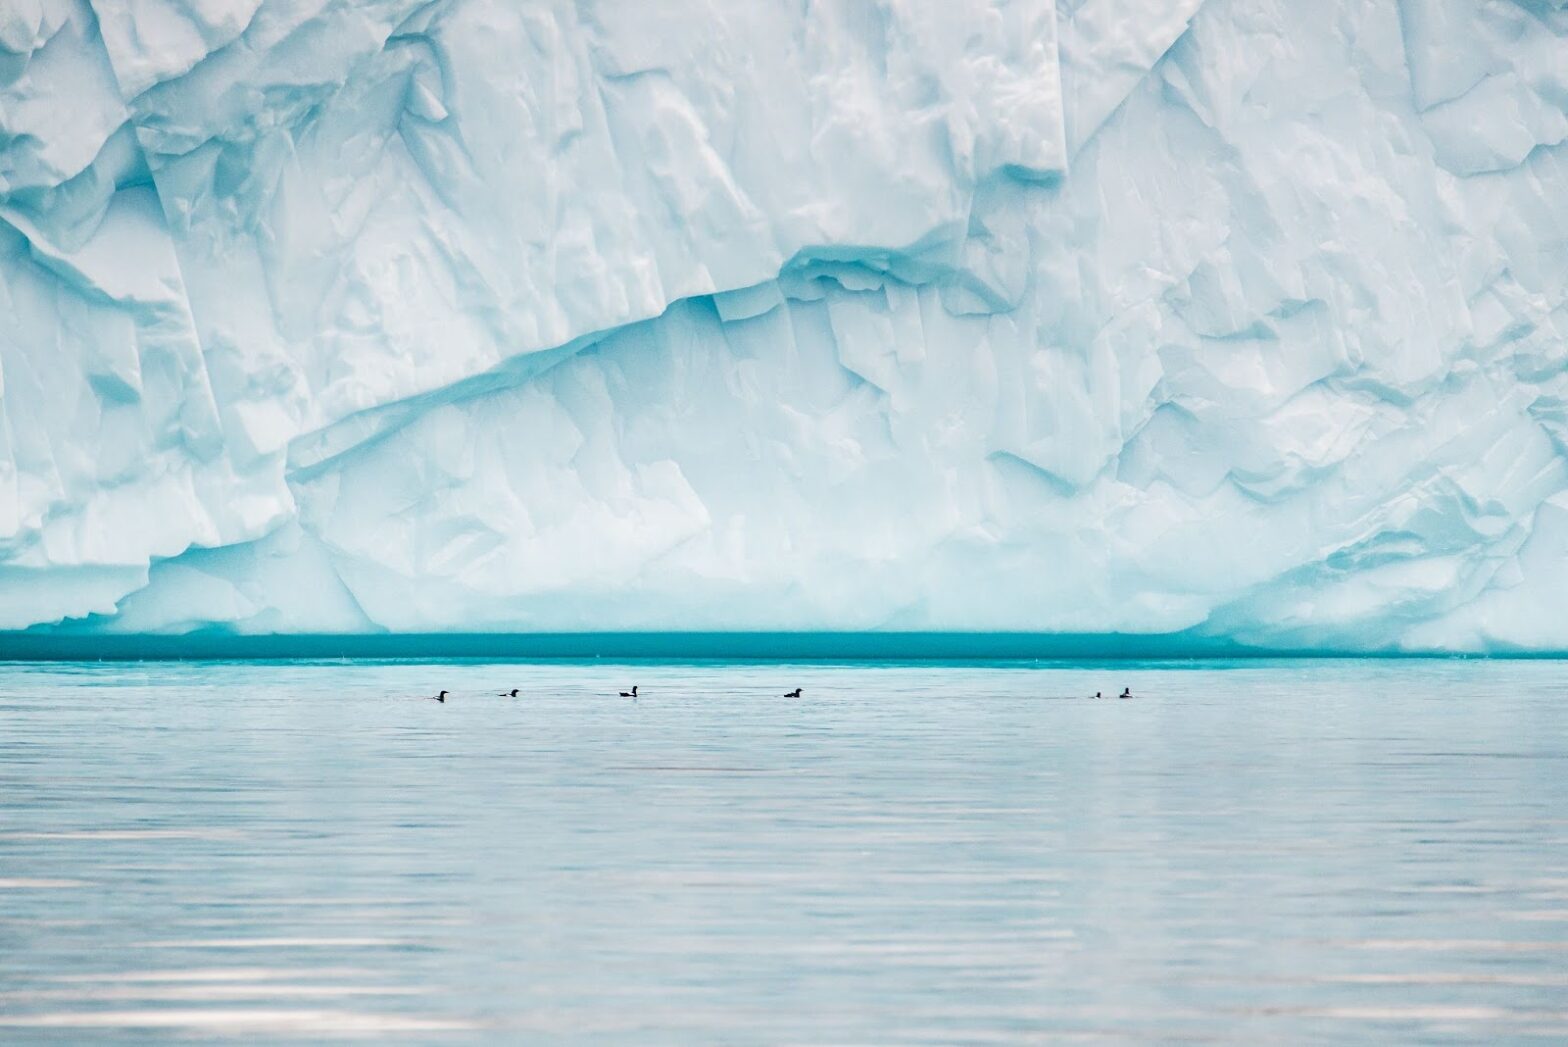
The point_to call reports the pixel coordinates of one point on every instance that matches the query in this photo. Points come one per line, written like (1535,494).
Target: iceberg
(1227,319)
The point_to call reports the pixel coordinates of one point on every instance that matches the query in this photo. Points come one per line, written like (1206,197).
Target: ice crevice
(1221,318)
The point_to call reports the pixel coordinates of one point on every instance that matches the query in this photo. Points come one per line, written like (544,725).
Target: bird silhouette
(508,694)
(792,694)
(438,697)
(631,693)
(1126,693)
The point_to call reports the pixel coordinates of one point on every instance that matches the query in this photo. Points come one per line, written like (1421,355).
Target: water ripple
(1291,852)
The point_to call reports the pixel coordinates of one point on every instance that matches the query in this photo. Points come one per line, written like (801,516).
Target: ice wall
(1244,318)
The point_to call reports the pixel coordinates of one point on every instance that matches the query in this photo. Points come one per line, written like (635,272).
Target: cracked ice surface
(1227,316)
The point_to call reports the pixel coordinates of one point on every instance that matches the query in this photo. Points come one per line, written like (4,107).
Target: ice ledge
(921,647)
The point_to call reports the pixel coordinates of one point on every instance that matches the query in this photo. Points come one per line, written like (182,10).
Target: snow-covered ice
(1239,317)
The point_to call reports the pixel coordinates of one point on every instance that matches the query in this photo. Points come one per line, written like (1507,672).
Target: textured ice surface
(1244,317)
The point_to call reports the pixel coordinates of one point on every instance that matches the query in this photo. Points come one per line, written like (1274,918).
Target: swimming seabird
(1126,693)
(437,697)
(508,694)
(631,693)
(792,694)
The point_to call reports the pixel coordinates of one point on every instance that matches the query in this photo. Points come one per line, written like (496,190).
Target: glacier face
(1239,317)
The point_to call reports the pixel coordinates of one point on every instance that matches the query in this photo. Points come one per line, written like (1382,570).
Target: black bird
(631,693)
(1097,694)
(438,697)
(1126,693)
(509,694)
(793,694)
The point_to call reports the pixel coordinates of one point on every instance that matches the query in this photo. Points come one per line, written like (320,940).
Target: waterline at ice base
(1236,320)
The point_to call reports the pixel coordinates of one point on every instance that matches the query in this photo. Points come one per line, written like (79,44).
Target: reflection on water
(1249,852)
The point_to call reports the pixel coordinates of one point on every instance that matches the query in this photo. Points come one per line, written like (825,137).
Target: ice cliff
(1239,317)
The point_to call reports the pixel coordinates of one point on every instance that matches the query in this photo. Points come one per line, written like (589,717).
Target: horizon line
(683,645)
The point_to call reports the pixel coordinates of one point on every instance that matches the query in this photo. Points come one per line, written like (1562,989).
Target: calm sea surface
(1248,852)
